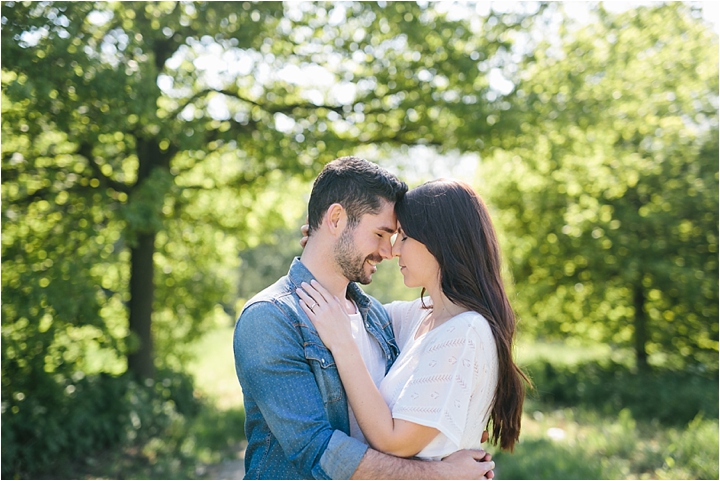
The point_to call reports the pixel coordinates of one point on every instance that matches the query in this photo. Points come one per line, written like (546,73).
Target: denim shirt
(297,423)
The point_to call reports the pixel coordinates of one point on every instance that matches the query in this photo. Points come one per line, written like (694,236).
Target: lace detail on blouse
(446,379)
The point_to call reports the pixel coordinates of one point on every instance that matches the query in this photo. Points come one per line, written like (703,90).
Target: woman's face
(417,265)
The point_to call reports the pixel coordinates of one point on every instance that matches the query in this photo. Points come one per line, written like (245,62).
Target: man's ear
(335,219)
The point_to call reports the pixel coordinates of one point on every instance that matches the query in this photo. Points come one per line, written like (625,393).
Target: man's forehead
(384,220)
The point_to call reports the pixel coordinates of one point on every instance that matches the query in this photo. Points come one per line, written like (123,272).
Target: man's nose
(386,249)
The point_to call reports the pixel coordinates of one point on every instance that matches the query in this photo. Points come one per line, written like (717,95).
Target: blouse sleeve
(447,376)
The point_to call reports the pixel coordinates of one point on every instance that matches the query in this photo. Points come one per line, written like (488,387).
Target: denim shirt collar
(299,273)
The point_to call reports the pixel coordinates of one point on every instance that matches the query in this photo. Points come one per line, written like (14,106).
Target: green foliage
(593,411)
(671,397)
(46,424)
(582,444)
(185,453)
(217,434)
(265,263)
(693,452)
(94,155)
(213,369)
(115,125)
(607,196)
(542,459)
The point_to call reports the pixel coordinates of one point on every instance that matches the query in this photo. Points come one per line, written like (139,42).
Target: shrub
(671,397)
(47,422)
(693,452)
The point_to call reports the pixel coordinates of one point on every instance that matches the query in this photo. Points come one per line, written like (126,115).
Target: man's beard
(350,261)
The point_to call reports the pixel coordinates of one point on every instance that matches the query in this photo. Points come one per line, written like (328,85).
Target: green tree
(608,193)
(101,168)
(138,138)
(145,144)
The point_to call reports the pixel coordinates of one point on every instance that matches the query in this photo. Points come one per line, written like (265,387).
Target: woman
(455,372)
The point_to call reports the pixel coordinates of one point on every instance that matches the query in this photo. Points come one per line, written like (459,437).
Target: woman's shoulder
(472,324)
(405,316)
(402,309)
(467,334)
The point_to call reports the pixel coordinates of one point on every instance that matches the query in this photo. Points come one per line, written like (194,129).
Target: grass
(576,444)
(591,417)
(214,369)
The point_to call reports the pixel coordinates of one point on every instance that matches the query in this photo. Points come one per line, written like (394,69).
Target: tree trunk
(640,327)
(142,268)
(142,293)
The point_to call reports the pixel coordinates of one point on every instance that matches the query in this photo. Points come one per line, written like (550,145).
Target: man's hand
(468,464)
(304,231)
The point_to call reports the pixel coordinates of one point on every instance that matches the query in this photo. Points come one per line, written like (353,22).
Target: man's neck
(321,264)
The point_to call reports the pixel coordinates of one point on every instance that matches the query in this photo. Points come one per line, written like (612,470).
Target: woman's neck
(441,303)
(443,309)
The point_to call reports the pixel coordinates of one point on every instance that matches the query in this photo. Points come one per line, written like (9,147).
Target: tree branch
(268,108)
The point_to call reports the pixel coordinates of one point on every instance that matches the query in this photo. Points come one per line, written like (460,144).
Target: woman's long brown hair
(451,220)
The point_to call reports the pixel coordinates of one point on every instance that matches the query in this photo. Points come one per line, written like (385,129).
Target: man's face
(360,249)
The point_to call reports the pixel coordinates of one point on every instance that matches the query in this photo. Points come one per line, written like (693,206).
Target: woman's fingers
(306,301)
(315,293)
(324,292)
(307,310)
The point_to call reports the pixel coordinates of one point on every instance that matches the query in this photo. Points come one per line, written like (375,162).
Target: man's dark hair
(357,185)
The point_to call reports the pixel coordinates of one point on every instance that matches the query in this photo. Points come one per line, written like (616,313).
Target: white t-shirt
(446,379)
(374,358)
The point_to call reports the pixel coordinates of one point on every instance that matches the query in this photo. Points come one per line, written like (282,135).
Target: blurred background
(157,158)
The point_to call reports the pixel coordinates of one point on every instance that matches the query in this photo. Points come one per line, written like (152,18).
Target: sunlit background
(157,159)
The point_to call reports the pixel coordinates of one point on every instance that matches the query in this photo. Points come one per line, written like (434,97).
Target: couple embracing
(339,386)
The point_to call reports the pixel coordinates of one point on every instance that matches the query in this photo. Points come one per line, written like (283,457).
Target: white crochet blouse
(446,379)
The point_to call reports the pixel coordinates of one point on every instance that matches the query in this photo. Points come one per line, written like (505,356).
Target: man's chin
(365,279)
(364,276)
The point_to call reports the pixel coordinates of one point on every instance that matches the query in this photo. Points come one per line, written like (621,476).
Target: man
(298,422)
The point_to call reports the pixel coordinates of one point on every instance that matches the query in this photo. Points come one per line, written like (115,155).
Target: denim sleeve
(269,355)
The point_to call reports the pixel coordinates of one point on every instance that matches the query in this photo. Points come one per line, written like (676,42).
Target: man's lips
(373,261)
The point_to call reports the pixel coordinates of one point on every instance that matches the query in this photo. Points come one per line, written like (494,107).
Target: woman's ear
(335,219)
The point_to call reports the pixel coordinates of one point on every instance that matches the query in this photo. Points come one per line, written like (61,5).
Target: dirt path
(228,469)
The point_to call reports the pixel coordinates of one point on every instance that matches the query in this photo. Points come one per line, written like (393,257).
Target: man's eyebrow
(389,230)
